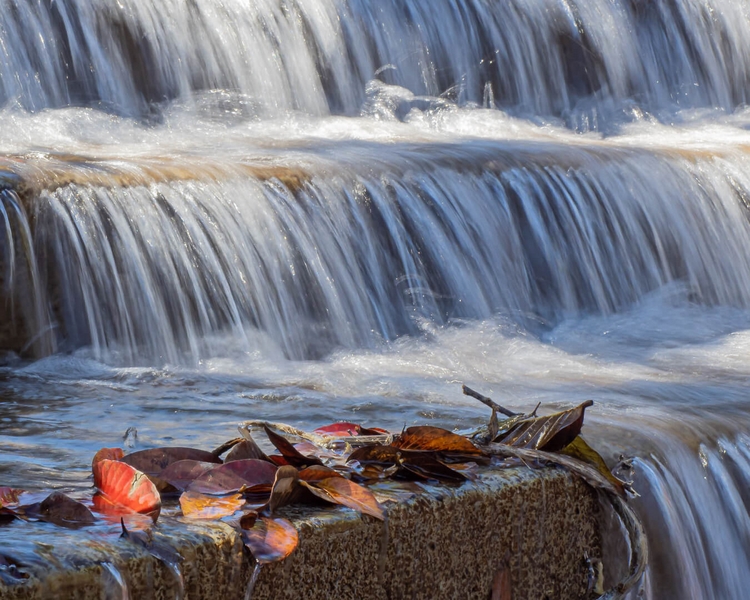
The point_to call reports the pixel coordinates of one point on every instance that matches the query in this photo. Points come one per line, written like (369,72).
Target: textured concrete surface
(443,544)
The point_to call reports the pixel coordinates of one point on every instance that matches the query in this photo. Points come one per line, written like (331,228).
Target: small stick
(488,402)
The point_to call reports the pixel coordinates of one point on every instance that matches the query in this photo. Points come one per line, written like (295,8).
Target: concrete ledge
(444,544)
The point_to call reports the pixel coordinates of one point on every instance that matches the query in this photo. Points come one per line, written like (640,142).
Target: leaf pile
(331,465)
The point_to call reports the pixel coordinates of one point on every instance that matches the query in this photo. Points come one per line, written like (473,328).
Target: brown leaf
(375,454)
(549,433)
(62,510)
(270,540)
(154,460)
(293,456)
(427,467)
(234,476)
(347,493)
(579,449)
(245,449)
(285,488)
(435,439)
(201,506)
(318,472)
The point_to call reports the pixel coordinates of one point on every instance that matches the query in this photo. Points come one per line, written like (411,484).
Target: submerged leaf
(201,506)
(292,456)
(550,433)
(270,540)
(234,476)
(340,490)
(62,510)
(579,449)
(125,486)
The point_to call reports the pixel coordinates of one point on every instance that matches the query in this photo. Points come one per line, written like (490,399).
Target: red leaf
(182,473)
(293,456)
(200,506)
(339,429)
(347,493)
(154,460)
(124,486)
(109,454)
(9,497)
(318,472)
(234,476)
(271,540)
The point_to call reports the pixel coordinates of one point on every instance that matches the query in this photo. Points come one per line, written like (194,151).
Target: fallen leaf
(579,449)
(375,454)
(182,473)
(232,477)
(427,467)
(550,433)
(292,456)
(202,506)
(347,493)
(318,472)
(285,488)
(64,511)
(154,460)
(270,540)
(435,439)
(108,453)
(124,486)
(9,497)
(245,449)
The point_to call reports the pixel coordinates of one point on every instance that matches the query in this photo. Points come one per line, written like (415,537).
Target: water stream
(319,210)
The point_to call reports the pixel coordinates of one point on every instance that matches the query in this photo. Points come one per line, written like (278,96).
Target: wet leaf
(293,456)
(248,520)
(64,511)
(182,473)
(435,439)
(347,493)
(270,539)
(579,449)
(245,449)
(345,429)
(285,488)
(375,454)
(550,433)
(318,472)
(426,467)
(154,460)
(234,476)
(9,497)
(124,486)
(108,453)
(202,506)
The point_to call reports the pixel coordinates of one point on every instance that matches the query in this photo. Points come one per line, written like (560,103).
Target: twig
(488,402)
(630,520)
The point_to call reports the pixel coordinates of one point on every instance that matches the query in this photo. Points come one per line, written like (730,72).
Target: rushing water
(315,210)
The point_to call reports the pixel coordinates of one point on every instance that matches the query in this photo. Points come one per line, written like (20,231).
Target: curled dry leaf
(270,540)
(182,473)
(229,478)
(108,453)
(123,486)
(339,490)
(579,449)
(549,433)
(202,506)
(292,456)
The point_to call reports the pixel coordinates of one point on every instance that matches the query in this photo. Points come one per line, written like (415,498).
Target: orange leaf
(435,439)
(200,506)
(125,486)
(271,540)
(108,453)
(347,493)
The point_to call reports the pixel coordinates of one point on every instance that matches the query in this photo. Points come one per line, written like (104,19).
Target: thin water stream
(319,210)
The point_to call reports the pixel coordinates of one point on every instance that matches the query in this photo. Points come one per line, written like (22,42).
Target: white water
(414,242)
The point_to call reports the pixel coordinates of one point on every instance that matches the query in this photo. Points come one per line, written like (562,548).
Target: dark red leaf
(182,473)
(234,476)
(154,460)
(550,432)
(62,510)
(293,456)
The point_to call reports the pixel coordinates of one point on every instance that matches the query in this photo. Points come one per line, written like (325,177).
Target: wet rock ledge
(447,543)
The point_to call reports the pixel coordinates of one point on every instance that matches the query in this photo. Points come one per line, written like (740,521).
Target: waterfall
(361,203)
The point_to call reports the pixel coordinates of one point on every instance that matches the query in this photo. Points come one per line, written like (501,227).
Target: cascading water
(313,208)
